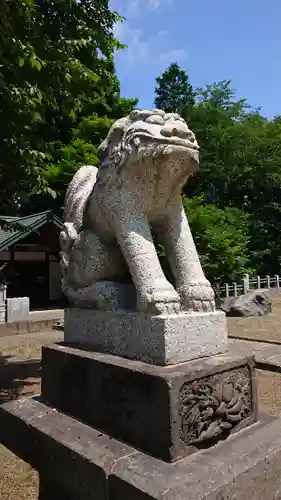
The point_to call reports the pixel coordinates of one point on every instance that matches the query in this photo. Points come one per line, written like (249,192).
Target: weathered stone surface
(163,340)
(72,456)
(247,467)
(110,214)
(166,411)
(96,467)
(211,406)
(254,303)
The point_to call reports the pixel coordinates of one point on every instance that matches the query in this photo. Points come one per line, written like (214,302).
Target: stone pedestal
(77,462)
(48,490)
(161,340)
(169,412)
(112,428)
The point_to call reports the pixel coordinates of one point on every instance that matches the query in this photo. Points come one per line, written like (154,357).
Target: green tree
(240,167)
(174,94)
(217,120)
(56,66)
(82,150)
(222,239)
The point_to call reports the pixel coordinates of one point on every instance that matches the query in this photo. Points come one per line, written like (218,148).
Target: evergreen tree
(174,93)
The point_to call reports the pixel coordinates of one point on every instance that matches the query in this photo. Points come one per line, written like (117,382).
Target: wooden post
(226,290)
(258,282)
(277,283)
(235,289)
(268,281)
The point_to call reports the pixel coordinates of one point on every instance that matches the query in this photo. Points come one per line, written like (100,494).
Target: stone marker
(141,400)
(17,309)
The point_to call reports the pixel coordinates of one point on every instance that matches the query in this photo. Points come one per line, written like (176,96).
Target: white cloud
(132,8)
(156,4)
(127,8)
(174,55)
(141,49)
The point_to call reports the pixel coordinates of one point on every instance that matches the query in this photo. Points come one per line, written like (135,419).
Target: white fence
(247,283)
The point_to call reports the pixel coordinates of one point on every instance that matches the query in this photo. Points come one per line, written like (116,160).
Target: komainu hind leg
(104,296)
(95,274)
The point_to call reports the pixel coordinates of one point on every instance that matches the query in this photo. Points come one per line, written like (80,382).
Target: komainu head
(147,136)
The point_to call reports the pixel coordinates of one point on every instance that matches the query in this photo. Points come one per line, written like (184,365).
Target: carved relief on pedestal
(212,407)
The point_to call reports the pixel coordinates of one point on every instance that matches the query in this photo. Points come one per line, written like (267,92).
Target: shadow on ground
(18,378)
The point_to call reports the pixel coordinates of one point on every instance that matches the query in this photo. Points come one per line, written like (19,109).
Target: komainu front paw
(198,297)
(161,301)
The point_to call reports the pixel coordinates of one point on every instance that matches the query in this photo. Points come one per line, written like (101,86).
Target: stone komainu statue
(111,213)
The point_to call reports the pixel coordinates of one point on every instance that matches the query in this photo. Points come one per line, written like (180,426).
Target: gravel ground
(20,376)
(269,392)
(260,328)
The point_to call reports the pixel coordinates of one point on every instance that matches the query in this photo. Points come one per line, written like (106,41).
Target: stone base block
(169,412)
(77,462)
(161,340)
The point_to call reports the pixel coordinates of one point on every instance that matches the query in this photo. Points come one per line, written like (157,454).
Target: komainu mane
(108,256)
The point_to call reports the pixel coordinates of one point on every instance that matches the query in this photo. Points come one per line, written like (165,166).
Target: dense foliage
(240,174)
(221,237)
(56,69)
(59,95)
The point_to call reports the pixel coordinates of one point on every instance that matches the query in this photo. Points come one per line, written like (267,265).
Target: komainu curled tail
(76,199)
(77,195)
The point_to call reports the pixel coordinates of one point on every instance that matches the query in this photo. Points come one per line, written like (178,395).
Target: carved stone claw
(198,297)
(169,308)
(161,301)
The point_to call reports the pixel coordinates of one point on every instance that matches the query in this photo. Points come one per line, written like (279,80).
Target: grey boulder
(254,303)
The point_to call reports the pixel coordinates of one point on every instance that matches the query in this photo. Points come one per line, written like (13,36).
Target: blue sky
(211,39)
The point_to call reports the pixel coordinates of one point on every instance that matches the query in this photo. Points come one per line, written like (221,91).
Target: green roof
(31,223)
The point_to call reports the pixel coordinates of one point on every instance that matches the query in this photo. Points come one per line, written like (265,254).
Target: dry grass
(20,376)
